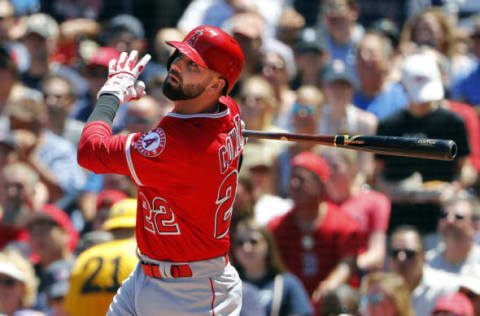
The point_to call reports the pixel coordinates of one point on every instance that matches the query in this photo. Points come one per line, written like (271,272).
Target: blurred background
(315,230)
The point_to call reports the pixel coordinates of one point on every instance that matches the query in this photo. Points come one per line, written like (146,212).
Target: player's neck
(201,104)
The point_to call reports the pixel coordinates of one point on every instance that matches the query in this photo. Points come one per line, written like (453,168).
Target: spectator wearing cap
(465,87)
(376,93)
(39,33)
(56,281)
(408,181)
(22,194)
(456,304)
(469,284)
(93,286)
(104,201)
(317,242)
(311,55)
(290,25)
(340,116)
(125,33)
(142,115)
(60,98)
(406,256)
(52,236)
(457,226)
(51,156)
(95,72)
(18,284)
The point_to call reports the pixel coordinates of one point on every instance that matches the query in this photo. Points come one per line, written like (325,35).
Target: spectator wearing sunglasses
(18,285)
(457,228)
(407,258)
(385,294)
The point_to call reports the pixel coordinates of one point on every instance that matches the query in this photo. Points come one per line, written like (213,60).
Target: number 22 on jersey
(159,217)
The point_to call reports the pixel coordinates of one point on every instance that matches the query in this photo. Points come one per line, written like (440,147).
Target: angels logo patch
(151,144)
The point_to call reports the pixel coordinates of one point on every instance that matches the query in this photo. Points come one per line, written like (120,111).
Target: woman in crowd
(257,260)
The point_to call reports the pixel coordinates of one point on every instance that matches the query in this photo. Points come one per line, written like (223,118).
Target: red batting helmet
(212,48)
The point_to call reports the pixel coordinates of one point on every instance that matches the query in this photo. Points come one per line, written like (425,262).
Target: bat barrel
(439,149)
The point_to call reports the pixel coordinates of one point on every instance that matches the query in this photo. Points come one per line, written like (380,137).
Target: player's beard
(181,92)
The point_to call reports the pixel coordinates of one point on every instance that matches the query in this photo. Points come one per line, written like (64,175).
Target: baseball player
(186,170)
(100,270)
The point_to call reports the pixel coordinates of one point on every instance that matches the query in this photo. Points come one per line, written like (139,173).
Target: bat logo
(151,144)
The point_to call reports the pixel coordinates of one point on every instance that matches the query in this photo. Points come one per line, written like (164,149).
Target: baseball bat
(439,149)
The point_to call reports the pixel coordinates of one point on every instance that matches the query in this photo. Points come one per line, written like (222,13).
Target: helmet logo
(193,40)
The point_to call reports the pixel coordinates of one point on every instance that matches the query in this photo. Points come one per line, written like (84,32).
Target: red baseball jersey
(186,171)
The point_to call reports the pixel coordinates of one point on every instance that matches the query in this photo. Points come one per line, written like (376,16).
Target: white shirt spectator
(435,259)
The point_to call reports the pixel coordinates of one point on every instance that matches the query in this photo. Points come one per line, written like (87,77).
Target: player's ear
(217,85)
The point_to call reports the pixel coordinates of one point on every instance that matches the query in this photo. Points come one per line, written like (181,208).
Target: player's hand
(122,77)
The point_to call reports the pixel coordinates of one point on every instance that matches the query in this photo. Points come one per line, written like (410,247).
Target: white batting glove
(122,77)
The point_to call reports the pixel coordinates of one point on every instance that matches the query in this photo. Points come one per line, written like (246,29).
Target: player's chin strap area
(172,270)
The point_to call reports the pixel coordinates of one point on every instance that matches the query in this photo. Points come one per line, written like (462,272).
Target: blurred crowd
(315,230)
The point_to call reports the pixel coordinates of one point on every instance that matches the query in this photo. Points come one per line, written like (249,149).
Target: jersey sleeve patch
(152,143)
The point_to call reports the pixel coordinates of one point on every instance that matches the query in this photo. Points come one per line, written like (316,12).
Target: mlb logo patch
(151,144)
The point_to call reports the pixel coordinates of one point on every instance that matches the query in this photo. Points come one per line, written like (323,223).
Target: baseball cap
(25,108)
(56,279)
(12,271)
(103,55)
(470,279)
(43,25)
(107,198)
(421,78)
(456,303)
(123,214)
(126,23)
(337,70)
(56,215)
(314,163)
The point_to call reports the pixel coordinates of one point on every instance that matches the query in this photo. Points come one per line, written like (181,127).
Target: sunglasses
(252,241)
(8,282)
(457,216)
(409,253)
(303,109)
(375,299)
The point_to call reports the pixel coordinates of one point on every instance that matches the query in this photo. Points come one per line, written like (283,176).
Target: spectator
(290,25)
(101,209)
(7,13)
(340,116)
(258,262)
(60,98)
(18,284)
(56,283)
(51,156)
(469,284)
(93,286)
(343,300)
(318,242)
(370,209)
(39,34)
(310,57)
(457,227)
(407,258)
(52,238)
(24,194)
(407,181)
(385,294)
(433,28)
(342,33)
(464,88)
(377,94)
(303,118)
(125,32)
(455,304)
(250,300)
(142,115)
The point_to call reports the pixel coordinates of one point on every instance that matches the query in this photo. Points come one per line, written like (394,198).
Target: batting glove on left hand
(122,77)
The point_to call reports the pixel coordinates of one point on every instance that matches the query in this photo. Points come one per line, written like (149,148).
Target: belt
(176,270)
(183,270)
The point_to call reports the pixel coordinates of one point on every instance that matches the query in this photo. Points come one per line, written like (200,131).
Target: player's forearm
(105,109)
